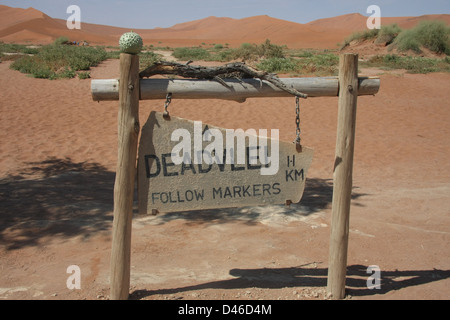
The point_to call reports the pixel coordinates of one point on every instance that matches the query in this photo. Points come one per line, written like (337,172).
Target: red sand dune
(12,16)
(30,25)
(355,21)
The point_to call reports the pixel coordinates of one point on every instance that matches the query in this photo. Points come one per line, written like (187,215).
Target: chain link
(297,118)
(166,105)
(297,123)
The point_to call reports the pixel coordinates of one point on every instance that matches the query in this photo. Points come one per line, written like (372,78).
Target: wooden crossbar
(237,90)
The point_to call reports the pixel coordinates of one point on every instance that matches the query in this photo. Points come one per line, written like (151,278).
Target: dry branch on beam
(236,70)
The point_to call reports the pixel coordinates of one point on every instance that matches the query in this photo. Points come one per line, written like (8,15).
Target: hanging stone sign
(187,165)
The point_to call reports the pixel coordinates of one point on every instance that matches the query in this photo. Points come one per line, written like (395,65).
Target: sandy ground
(58,153)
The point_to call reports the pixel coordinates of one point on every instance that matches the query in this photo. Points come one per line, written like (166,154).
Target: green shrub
(11,47)
(61,41)
(325,60)
(246,51)
(222,55)
(80,63)
(17,48)
(360,36)
(84,75)
(411,64)
(302,53)
(147,58)
(194,53)
(43,73)
(416,64)
(391,59)
(387,34)
(30,51)
(57,61)
(67,73)
(407,40)
(320,64)
(278,65)
(433,35)
(254,52)
(25,64)
(269,50)
(10,57)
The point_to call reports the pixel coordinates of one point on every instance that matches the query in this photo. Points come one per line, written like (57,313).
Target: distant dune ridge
(33,26)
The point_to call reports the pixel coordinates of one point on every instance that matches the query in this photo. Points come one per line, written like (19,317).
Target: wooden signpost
(270,171)
(166,186)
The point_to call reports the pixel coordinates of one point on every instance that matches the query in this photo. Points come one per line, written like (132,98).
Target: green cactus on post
(131,42)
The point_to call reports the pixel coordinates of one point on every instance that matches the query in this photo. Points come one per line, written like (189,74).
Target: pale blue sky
(147,14)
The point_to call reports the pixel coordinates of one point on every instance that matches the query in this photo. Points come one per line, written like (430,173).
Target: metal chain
(297,123)
(166,105)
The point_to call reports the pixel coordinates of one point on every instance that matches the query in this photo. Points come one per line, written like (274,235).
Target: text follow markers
(188,165)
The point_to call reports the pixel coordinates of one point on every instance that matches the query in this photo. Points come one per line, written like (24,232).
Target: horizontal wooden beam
(237,90)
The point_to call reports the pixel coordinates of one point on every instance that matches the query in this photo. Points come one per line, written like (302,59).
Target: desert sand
(57,165)
(58,156)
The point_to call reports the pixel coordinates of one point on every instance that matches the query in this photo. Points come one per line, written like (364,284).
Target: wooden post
(343,167)
(128,131)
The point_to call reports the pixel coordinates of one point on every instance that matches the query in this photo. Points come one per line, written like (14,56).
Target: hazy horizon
(141,14)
